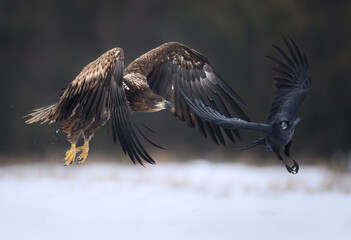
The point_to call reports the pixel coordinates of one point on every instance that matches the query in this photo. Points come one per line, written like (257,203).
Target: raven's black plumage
(292,84)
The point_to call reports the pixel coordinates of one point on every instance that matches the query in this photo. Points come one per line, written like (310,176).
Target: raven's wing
(292,82)
(98,91)
(209,114)
(173,66)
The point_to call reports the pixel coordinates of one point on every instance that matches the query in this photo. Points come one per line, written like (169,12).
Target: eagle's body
(105,91)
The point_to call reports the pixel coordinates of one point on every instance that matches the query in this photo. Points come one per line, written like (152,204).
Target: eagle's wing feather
(98,91)
(174,66)
(121,121)
(88,93)
(292,82)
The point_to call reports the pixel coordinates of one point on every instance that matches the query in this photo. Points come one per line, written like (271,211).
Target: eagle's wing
(97,89)
(208,114)
(173,66)
(293,80)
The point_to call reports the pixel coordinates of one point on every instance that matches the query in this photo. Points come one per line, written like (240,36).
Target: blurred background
(45,44)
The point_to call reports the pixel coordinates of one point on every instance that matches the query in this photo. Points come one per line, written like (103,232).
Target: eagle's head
(140,97)
(144,100)
(155,103)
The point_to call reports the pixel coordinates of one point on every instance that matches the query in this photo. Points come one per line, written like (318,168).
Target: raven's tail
(40,114)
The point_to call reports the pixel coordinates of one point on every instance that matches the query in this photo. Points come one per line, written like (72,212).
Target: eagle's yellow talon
(84,149)
(70,155)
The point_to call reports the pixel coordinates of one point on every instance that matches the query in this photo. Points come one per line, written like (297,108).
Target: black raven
(292,84)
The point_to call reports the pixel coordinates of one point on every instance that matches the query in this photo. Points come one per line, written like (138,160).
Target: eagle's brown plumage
(104,91)
(172,66)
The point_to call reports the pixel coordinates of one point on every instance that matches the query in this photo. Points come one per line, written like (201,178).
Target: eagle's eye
(284,125)
(156,100)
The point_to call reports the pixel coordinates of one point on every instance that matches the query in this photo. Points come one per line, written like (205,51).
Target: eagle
(292,84)
(106,92)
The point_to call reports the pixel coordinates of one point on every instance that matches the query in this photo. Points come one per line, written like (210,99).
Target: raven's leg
(295,167)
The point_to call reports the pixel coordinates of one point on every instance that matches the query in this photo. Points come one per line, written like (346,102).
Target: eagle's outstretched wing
(173,66)
(292,82)
(96,92)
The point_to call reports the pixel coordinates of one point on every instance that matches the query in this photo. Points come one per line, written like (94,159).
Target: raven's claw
(294,168)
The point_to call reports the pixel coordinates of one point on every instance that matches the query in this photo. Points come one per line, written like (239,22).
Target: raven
(292,84)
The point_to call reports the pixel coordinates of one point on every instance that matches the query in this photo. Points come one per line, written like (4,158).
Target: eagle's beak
(167,104)
(162,105)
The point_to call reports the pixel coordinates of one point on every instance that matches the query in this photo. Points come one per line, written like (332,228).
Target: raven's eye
(284,125)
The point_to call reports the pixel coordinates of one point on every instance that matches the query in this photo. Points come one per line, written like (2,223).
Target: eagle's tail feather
(40,114)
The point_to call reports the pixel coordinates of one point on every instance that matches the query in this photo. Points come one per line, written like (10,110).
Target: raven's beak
(167,104)
(297,120)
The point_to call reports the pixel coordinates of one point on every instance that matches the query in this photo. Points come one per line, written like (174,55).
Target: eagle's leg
(71,154)
(84,149)
(88,134)
(73,129)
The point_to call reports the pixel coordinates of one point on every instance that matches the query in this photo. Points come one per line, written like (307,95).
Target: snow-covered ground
(196,200)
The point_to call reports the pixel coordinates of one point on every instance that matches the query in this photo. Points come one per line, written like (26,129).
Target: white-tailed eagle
(106,91)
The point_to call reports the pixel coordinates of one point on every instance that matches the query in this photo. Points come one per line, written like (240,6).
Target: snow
(195,200)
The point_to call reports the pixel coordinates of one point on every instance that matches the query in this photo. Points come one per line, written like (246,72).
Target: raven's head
(279,135)
(281,132)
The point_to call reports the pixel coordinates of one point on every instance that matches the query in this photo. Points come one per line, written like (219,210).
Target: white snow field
(194,200)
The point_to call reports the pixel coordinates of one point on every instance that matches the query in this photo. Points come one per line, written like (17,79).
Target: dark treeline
(44,45)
